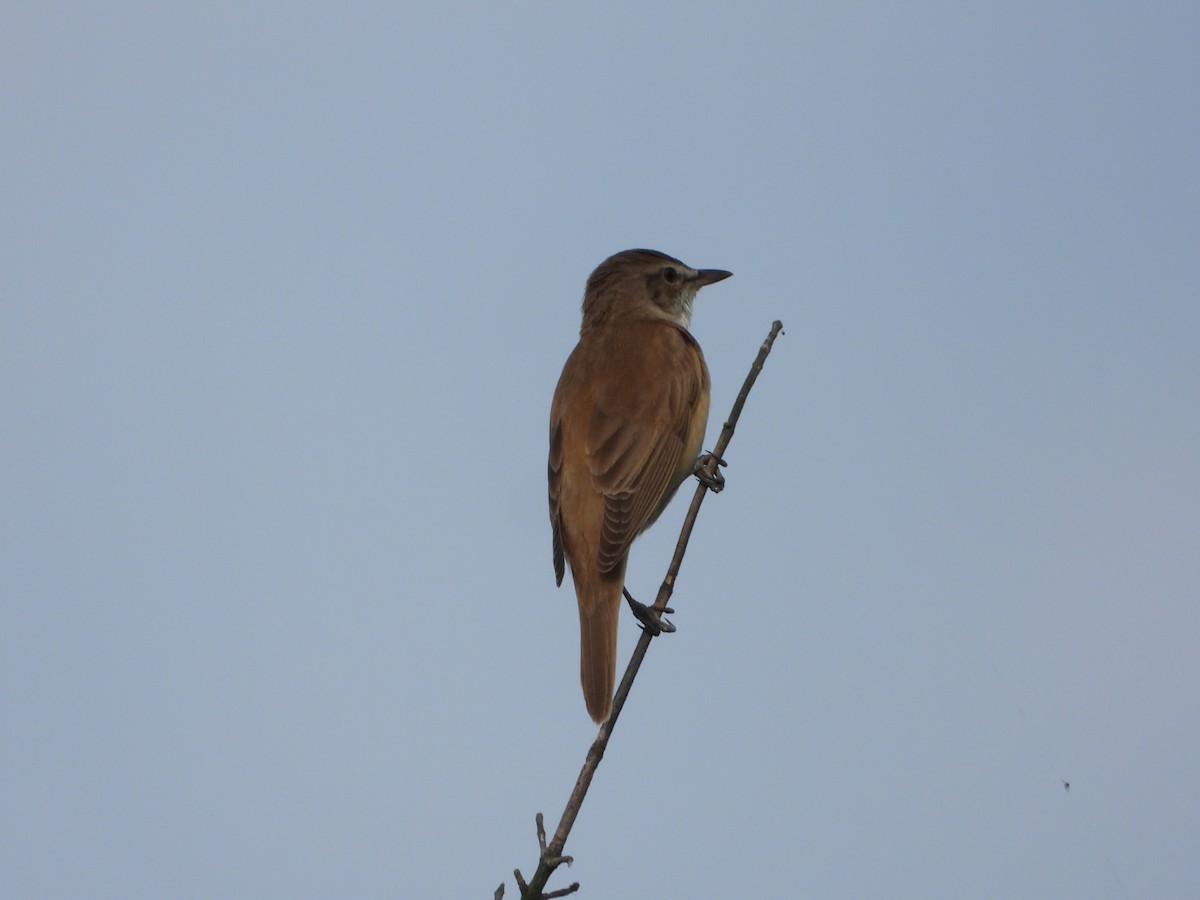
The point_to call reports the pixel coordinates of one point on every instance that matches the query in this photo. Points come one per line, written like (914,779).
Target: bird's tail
(598,617)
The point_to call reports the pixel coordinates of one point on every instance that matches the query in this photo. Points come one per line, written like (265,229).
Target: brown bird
(626,425)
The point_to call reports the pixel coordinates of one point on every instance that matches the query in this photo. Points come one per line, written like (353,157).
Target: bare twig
(551,854)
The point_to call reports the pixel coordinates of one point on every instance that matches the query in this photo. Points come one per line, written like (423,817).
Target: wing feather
(632,401)
(554,473)
(635,444)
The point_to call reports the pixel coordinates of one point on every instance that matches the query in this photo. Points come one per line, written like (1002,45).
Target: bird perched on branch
(626,426)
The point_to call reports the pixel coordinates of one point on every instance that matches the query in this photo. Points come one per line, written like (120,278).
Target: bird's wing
(554,473)
(636,438)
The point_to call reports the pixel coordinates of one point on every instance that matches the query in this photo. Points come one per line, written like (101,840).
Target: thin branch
(551,854)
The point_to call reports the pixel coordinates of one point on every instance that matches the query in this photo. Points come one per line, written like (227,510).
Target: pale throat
(685,311)
(681,314)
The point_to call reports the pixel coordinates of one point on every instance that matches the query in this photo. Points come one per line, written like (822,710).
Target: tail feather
(598,654)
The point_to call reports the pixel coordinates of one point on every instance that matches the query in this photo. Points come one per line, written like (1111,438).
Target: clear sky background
(284,293)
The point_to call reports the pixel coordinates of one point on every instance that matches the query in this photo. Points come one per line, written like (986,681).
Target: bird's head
(644,284)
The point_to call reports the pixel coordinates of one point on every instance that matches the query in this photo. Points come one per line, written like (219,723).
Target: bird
(626,425)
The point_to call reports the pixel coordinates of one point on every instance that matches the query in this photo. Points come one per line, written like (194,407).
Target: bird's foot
(649,618)
(714,482)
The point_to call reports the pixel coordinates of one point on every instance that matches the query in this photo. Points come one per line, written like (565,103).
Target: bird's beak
(709,276)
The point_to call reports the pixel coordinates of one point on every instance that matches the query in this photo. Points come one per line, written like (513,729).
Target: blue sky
(284,293)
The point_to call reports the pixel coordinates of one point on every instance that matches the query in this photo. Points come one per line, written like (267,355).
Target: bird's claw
(714,482)
(649,618)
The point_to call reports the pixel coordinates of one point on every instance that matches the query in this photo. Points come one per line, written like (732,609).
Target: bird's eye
(671,275)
